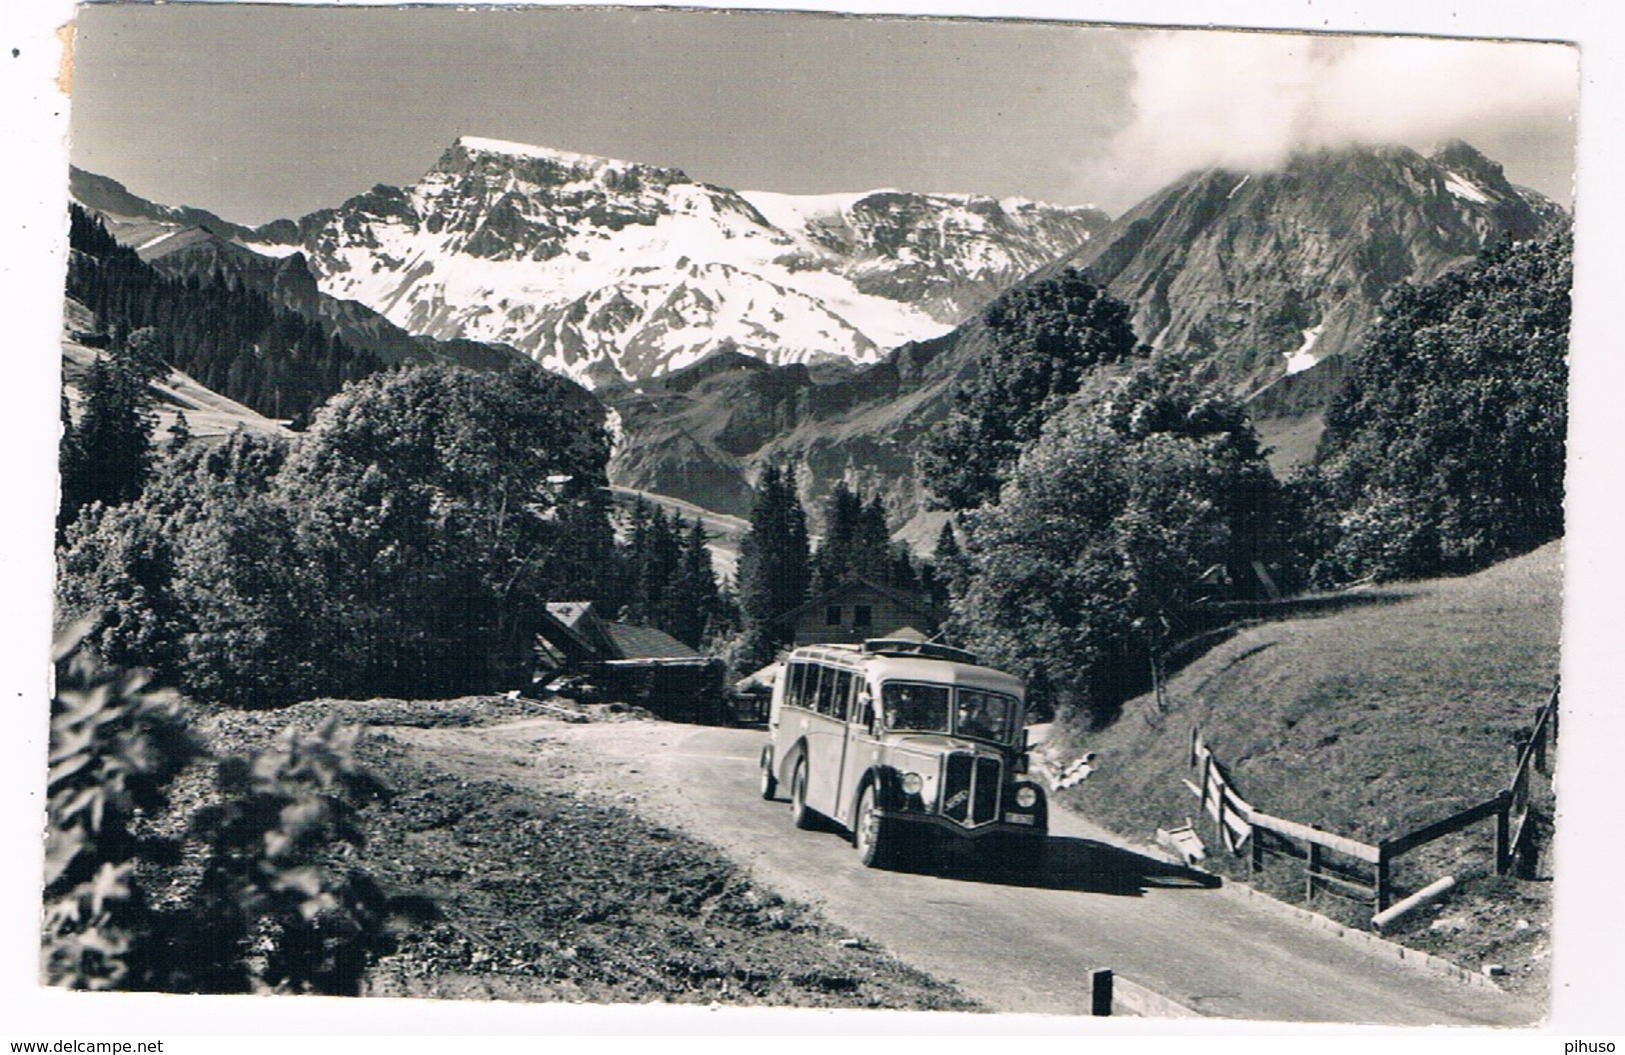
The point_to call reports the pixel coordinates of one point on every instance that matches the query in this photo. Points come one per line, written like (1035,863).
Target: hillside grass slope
(1369,715)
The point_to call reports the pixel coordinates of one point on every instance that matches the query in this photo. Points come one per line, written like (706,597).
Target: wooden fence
(1338,864)
(1533,761)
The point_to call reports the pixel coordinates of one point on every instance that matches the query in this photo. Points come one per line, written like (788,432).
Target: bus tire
(800,812)
(770,783)
(875,836)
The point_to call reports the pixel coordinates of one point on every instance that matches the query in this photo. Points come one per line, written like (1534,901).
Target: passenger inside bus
(986,715)
(918,707)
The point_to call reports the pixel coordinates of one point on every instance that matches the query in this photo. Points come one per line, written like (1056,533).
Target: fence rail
(1240,827)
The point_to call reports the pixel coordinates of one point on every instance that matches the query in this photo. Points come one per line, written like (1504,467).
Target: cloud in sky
(1247,100)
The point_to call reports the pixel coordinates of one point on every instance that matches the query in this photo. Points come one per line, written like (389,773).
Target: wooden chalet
(633,664)
(856,610)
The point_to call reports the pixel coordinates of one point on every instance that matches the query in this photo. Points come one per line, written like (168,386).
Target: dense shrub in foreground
(276,909)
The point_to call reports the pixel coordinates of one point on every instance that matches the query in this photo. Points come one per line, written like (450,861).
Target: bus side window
(796,694)
(843,694)
(863,702)
(826,691)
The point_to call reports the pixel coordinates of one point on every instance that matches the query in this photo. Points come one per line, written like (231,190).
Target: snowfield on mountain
(609,270)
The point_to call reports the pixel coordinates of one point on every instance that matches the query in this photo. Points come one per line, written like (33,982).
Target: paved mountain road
(1023,948)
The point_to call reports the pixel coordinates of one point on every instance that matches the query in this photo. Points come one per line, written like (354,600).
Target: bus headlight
(912,783)
(1026,796)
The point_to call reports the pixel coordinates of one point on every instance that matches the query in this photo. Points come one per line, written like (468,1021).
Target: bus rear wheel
(873,834)
(770,783)
(800,812)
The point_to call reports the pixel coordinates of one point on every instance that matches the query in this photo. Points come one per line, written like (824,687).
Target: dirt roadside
(519,874)
(531,859)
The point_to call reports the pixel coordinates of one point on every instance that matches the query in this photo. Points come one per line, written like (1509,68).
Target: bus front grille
(970,789)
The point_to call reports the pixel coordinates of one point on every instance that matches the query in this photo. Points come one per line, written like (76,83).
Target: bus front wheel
(873,835)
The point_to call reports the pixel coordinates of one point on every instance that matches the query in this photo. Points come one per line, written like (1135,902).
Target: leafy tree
(441,507)
(1444,451)
(1045,338)
(1142,498)
(155,602)
(404,545)
(774,566)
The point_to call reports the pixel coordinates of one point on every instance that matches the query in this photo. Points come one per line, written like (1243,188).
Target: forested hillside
(232,339)
(1137,504)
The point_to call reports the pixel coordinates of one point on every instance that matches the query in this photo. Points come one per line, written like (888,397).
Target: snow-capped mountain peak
(607,269)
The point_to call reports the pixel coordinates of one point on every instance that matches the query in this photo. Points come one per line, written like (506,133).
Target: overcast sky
(261,112)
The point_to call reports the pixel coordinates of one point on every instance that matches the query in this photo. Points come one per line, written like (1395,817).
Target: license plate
(1017,818)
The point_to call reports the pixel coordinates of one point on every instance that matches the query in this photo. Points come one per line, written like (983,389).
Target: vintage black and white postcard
(1033,516)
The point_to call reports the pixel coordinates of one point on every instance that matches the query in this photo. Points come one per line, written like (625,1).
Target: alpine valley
(726,329)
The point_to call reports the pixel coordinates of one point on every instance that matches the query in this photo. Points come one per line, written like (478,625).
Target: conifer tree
(842,513)
(697,604)
(110,451)
(180,434)
(774,566)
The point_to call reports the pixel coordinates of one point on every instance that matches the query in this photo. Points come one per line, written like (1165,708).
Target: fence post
(1207,767)
(1385,893)
(1100,992)
(1255,856)
(1194,734)
(1314,871)
(1503,835)
(1540,740)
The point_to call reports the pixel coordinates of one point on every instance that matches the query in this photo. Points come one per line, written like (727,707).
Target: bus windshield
(986,715)
(935,709)
(923,708)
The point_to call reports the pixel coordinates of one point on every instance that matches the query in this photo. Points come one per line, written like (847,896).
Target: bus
(895,740)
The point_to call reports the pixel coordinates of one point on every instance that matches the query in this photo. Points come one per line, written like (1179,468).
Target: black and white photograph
(1050,520)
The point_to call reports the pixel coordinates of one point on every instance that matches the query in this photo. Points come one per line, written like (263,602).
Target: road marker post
(1100,990)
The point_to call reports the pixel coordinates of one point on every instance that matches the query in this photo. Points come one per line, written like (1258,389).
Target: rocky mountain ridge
(195,245)
(727,329)
(1266,280)
(609,271)
(1264,274)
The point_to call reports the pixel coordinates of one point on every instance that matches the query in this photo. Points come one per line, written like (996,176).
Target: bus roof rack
(903,647)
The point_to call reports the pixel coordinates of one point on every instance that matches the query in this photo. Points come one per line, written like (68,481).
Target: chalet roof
(572,631)
(856,587)
(580,618)
(643,642)
(570,613)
